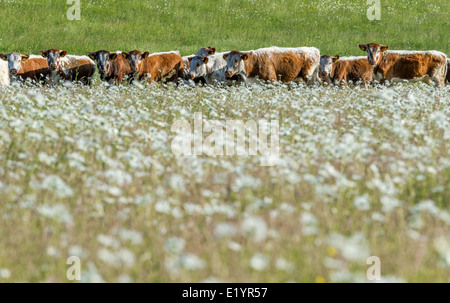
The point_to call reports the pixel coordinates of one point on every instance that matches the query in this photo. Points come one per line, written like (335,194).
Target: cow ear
(124,55)
(44,54)
(3,57)
(384,48)
(112,56)
(244,57)
(92,55)
(62,54)
(145,55)
(25,57)
(363,47)
(212,51)
(205,60)
(225,56)
(335,58)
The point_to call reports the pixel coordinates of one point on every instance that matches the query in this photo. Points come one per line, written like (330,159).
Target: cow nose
(13,71)
(371,62)
(102,71)
(53,66)
(229,74)
(324,73)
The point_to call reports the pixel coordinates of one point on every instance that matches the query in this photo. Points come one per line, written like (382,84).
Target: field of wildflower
(89,172)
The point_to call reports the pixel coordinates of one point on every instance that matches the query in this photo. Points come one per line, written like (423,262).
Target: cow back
(410,64)
(77,68)
(162,66)
(353,69)
(35,68)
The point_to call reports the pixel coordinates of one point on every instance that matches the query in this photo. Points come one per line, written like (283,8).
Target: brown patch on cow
(408,66)
(352,70)
(35,69)
(159,67)
(273,66)
(119,66)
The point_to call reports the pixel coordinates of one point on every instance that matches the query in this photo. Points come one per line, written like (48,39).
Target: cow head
(206,51)
(135,59)
(103,59)
(14,61)
(54,58)
(235,63)
(374,52)
(326,65)
(197,62)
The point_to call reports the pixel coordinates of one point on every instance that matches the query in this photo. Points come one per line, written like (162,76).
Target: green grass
(157,25)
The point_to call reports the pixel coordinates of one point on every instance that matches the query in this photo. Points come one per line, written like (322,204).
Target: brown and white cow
(157,67)
(112,67)
(341,70)
(274,64)
(25,67)
(398,65)
(69,67)
(186,65)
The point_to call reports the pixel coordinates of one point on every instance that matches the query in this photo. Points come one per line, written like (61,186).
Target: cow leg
(439,82)
(316,77)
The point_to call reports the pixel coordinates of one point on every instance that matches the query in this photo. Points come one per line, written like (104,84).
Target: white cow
(209,65)
(4,73)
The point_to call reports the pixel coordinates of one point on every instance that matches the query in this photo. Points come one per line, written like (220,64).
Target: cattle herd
(305,64)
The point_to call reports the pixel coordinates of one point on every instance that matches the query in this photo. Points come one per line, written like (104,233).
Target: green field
(335,27)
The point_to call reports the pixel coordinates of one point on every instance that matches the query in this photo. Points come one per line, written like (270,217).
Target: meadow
(90,172)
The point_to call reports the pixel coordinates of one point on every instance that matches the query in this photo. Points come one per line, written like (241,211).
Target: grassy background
(334,26)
